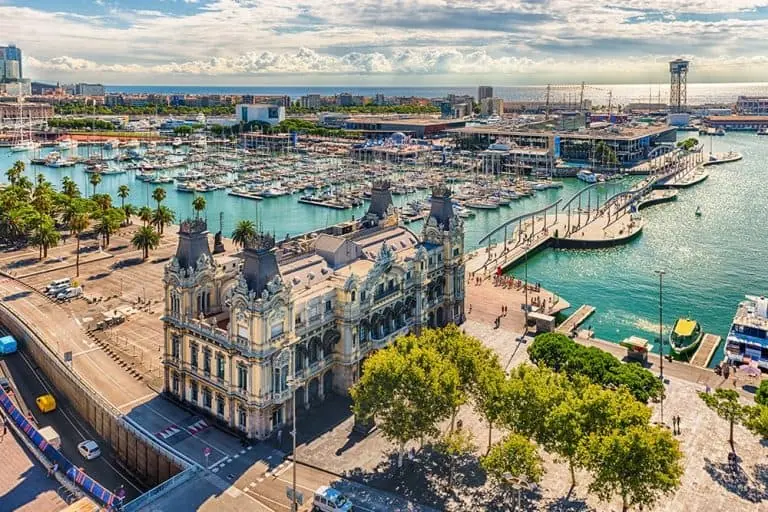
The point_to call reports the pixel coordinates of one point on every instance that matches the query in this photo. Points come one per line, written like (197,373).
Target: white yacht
(587,176)
(27,145)
(65,144)
(176,142)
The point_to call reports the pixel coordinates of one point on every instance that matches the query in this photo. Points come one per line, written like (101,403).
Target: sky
(386,42)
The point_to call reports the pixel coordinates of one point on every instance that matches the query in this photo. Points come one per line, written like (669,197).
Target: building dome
(398,138)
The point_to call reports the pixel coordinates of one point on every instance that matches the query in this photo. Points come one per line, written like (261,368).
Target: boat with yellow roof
(685,337)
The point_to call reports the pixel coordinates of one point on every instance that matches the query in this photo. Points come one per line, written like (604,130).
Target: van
(53,291)
(328,499)
(70,293)
(58,283)
(51,437)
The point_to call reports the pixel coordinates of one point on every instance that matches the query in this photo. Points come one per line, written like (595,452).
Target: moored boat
(747,340)
(685,337)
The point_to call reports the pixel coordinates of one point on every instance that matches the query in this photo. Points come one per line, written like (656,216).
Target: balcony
(281,396)
(173,361)
(386,293)
(387,338)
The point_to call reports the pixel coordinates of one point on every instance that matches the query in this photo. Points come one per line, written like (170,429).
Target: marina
(292,193)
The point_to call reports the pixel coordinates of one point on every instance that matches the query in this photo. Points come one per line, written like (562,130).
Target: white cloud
(571,39)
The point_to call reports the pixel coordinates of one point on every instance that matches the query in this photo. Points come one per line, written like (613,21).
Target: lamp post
(525,328)
(292,383)
(661,273)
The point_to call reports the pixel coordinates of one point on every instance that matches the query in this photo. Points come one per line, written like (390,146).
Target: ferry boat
(747,341)
(685,337)
(587,176)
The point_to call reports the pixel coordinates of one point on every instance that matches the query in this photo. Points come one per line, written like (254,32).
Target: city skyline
(418,43)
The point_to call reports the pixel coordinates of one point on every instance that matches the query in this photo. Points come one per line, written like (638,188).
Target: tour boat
(747,340)
(698,211)
(587,176)
(685,337)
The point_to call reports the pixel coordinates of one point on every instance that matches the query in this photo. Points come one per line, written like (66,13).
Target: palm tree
(95,180)
(77,224)
(44,234)
(109,222)
(129,211)
(162,217)
(15,172)
(24,183)
(159,195)
(244,233)
(103,201)
(69,187)
(123,191)
(198,203)
(145,214)
(146,238)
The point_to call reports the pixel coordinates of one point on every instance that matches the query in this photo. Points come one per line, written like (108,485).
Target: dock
(576,319)
(706,350)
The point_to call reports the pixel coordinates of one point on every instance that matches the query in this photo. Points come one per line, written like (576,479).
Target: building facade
(752,105)
(247,334)
(264,113)
(83,89)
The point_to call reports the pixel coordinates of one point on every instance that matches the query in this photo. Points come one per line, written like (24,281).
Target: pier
(576,319)
(591,219)
(706,350)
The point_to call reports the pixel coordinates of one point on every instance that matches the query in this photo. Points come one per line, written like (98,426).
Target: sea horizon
(698,92)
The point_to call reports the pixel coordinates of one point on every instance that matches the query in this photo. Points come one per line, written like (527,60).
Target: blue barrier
(77,475)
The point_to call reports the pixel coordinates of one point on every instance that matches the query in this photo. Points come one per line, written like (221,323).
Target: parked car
(70,293)
(5,384)
(46,403)
(328,499)
(89,449)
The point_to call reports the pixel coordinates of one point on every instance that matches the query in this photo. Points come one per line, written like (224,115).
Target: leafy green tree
(159,195)
(456,444)
(639,463)
(491,398)
(756,420)
(244,234)
(15,172)
(408,388)
(588,409)
(516,456)
(69,187)
(529,395)
(725,402)
(94,180)
(77,224)
(145,214)
(44,234)
(162,217)
(761,395)
(109,222)
(198,203)
(42,197)
(183,131)
(123,191)
(146,239)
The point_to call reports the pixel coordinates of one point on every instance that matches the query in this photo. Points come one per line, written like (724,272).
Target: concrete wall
(136,452)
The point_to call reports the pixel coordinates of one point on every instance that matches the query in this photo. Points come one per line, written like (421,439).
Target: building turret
(193,243)
(381,205)
(260,265)
(442,208)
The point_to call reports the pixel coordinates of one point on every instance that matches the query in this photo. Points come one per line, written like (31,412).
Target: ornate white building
(247,333)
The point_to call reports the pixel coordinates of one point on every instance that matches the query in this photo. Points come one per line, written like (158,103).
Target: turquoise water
(710,261)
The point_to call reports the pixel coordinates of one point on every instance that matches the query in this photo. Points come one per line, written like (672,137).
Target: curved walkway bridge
(599,215)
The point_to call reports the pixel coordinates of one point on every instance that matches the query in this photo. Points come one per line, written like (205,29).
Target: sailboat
(23,143)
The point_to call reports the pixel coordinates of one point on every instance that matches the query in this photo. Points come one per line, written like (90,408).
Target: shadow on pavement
(732,477)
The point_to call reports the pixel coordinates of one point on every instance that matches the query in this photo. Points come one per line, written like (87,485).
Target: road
(272,491)
(31,383)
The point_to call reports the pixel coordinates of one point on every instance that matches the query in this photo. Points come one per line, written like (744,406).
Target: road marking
(282,468)
(218,462)
(71,422)
(84,352)
(261,496)
(126,404)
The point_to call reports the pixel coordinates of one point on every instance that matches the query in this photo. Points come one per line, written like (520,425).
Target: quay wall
(650,202)
(569,243)
(136,450)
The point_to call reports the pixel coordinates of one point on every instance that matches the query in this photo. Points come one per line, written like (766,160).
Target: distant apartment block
(83,89)
(10,64)
(483,92)
(311,101)
(491,106)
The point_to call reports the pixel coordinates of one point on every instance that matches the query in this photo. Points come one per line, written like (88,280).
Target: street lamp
(661,273)
(526,248)
(292,385)
(517,483)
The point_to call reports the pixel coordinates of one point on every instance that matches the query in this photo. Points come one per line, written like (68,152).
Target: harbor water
(710,261)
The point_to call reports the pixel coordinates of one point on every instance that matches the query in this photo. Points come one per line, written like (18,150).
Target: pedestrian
(280,437)
(679,431)
(470,308)
(708,390)
(5,427)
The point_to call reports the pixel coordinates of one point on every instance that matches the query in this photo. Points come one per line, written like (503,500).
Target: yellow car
(46,403)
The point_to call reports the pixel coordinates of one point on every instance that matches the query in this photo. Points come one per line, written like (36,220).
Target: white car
(89,449)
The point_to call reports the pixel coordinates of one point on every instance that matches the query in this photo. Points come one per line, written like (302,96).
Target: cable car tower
(678,79)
